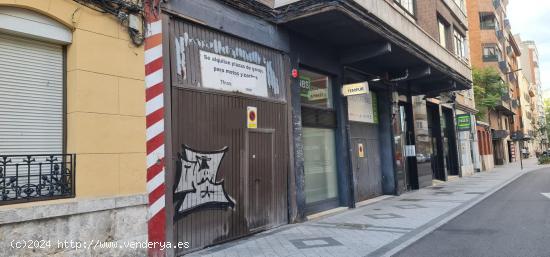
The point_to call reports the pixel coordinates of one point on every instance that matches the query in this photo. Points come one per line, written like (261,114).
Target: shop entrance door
(449,138)
(511,151)
(434,126)
(367,168)
(408,141)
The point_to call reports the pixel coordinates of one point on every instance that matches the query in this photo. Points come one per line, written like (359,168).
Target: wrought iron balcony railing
(25,178)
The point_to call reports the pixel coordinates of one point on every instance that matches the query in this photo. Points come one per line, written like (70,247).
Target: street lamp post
(521,145)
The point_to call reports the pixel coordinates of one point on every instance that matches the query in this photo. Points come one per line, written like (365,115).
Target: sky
(531,19)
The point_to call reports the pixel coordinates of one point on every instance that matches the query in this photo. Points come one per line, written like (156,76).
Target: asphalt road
(514,221)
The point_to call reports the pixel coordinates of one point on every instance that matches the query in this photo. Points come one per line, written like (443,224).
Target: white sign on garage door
(229,74)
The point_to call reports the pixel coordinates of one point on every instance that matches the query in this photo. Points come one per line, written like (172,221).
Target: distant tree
(488,90)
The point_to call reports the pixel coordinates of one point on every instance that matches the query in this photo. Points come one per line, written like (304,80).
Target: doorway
(498,151)
(408,140)
(434,126)
(367,168)
(511,151)
(450,146)
(260,177)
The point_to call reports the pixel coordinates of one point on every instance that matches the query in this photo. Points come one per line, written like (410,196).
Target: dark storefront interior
(364,55)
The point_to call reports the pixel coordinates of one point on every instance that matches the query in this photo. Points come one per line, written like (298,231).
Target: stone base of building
(467,170)
(68,227)
(487,162)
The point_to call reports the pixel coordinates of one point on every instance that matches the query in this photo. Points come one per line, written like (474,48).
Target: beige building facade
(100,123)
(531,71)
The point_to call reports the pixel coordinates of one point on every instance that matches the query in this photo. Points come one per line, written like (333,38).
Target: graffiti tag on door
(196,186)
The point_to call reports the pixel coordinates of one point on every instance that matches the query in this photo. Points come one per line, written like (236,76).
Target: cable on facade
(123,10)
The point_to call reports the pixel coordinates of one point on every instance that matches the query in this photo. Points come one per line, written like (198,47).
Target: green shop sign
(305,87)
(463,122)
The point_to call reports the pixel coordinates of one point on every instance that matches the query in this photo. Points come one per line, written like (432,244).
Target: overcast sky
(531,19)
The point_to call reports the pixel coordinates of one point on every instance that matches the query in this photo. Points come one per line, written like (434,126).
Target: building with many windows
(447,22)
(492,45)
(531,71)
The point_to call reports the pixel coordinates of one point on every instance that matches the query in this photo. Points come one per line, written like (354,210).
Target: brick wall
(428,12)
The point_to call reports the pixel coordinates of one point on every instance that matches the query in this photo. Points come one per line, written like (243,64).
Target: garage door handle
(257,180)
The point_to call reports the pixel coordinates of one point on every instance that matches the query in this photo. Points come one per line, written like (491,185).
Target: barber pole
(154,112)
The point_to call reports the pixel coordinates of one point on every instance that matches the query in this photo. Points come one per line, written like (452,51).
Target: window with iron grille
(33,165)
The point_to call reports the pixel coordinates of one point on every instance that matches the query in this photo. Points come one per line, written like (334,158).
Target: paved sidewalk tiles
(373,229)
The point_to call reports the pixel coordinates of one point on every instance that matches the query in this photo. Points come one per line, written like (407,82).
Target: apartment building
(447,22)
(493,45)
(528,120)
(531,71)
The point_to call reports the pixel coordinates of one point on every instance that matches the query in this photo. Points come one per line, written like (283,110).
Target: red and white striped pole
(154,112)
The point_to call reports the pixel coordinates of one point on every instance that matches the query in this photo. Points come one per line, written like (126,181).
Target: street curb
(448,216)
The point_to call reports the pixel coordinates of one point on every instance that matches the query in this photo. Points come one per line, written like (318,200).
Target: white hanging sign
(229,74)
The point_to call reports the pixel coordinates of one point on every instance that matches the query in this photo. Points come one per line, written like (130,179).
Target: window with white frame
(460,45)
(407,5)
(442,33)
(460,3)
(491,53)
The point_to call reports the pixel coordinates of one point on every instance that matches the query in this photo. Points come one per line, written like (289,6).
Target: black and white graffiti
(196,186)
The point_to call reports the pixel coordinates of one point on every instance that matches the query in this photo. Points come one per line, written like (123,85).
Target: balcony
(505,106)
(500,134)
(503,66)
(500,35)
(515,103)
(26,178)
(512,77)
(510,51)
(507,24)
(517,135)
(531,91)
(490,58)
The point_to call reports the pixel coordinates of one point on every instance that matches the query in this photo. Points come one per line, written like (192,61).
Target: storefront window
(424,144)
(315,89)
(319,164)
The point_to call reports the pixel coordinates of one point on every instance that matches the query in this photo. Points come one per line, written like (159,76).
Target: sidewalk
(379,229)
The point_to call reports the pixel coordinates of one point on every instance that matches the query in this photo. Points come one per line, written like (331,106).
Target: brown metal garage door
(228,180)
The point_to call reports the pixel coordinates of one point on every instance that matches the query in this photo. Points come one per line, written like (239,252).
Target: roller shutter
(31,96)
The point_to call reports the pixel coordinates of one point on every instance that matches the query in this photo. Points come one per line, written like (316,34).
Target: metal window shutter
(31,96)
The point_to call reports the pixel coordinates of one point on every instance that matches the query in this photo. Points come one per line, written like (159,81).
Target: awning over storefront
(366,44)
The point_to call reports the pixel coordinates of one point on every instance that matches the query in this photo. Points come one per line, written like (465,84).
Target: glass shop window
(315,89)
